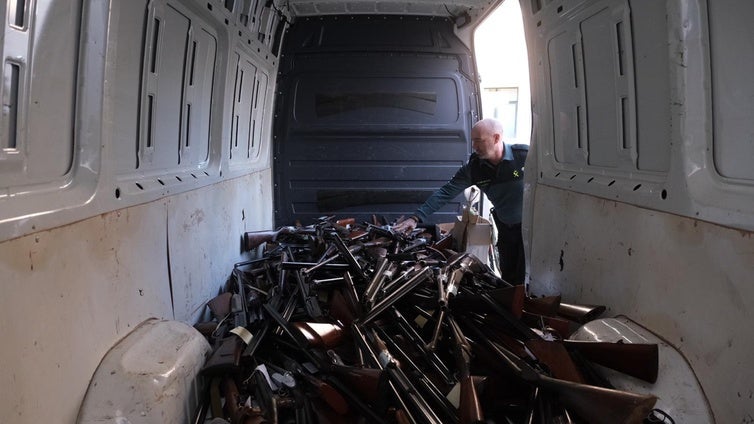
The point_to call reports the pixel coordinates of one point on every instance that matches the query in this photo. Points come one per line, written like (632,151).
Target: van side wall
(641,197)
(134,159)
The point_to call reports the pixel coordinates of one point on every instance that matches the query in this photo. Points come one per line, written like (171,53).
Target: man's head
(487,140)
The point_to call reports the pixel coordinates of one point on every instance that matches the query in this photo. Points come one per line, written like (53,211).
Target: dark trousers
(510,248)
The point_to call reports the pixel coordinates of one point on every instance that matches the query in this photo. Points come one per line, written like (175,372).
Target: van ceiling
(450,8)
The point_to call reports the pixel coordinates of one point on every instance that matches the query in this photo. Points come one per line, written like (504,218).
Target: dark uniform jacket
(503,184)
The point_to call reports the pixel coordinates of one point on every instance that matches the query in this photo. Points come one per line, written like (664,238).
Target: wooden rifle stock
(635,359)
(340,308)
(365,381)
(320,335)
(552,306)
(545,305)
(254,239)
(511,297)
(599,405)
(556,358)
(344,222)
(288,329)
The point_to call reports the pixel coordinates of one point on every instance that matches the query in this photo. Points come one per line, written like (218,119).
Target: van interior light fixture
(462,20)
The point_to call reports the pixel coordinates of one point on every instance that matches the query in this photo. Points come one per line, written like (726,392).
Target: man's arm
(460,181)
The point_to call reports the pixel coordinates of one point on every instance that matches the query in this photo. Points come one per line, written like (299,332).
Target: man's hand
(405,226)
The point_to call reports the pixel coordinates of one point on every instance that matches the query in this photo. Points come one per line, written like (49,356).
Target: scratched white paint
(67,295)
(217,216)
(686,280)
(70,293)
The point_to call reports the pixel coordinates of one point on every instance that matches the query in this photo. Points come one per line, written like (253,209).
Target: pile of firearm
(346,323)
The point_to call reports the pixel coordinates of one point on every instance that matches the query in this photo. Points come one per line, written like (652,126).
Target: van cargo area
(197,201)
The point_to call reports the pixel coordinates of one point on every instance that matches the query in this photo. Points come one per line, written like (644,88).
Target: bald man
(497,169)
